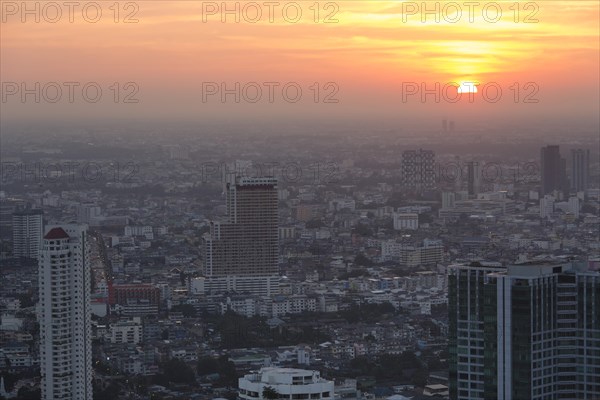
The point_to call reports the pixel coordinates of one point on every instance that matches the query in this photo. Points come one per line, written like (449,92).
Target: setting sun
(468,87)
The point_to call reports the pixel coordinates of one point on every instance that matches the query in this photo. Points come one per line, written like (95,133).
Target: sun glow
(467,87)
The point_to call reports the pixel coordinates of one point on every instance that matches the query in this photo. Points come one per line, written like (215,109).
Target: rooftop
(56,233)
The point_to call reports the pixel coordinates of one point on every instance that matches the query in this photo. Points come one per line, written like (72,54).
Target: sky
(303,60)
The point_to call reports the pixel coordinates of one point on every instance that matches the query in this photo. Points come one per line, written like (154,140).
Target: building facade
(527,331)
(406,221)
(418,169)
(27,230)
(553,170)
(242,253)
(580,170)
(64,315)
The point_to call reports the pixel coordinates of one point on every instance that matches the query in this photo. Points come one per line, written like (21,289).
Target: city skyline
(299,200)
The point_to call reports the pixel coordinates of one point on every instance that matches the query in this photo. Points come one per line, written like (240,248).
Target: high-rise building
(526,331)
(64,314)
(473,178)
(8,206)
(27,232)
(580,169)
(242,253)
(553,170)
(418,169)
(448,200)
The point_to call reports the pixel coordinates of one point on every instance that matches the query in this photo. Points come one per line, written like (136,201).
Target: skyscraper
(242,253)
(526,331)
(553,170)
(27,232)
(473,178)
(418,169)
(8,206)
(580,169)
(64,314)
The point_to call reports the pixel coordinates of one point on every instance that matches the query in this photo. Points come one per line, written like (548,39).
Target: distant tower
(553,168)
(448,200)
(418,169)
(65,325)
(473,178)
(451,126)
(27,232)
(580,169)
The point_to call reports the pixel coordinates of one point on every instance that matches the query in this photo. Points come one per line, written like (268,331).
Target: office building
(418,169)
(27,232)
(289,383)
(553,170)
(8,206)
(64,315)
(547,206)
(406,221)
(526,331)
(580,169)
(242,253)
(448,199)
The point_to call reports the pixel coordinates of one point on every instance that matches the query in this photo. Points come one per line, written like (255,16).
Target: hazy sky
(374,60)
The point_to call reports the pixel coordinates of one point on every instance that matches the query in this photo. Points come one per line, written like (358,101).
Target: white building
(448,199)
(27,233)
(64,314)
(293,384)
(88,213)
(145,231)
(546,206)
(127,331)
(406,221)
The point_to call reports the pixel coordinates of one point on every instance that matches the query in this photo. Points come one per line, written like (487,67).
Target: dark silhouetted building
(418,169)
(580,169)
(553,170)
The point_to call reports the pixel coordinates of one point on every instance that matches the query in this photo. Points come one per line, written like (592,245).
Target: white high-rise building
(27,233)
(64,314)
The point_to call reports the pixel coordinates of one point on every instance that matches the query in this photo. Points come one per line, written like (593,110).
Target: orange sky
(369,53)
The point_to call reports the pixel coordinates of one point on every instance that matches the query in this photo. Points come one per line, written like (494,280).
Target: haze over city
(296,200)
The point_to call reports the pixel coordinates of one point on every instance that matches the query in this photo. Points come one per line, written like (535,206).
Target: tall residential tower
(65,337)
